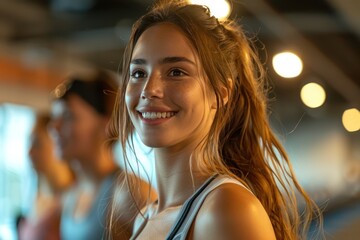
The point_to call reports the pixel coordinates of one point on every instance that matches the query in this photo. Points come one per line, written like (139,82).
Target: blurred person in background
(54,178)
(81,111)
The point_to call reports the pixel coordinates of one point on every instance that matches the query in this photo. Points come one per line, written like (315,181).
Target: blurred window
(17,179)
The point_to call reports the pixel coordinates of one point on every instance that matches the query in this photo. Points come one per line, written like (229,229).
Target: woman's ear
(224,93)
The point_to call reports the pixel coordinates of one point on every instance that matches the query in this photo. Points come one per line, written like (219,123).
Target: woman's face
(165,96)
(78,127)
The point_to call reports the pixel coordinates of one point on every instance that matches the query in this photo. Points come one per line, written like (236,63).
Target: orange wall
(38,76)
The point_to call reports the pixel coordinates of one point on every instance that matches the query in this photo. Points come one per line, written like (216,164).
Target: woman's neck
(177,177)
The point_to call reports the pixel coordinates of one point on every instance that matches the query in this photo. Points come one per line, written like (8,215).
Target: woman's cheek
(132,97)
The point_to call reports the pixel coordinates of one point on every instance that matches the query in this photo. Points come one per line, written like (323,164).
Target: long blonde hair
(240,142)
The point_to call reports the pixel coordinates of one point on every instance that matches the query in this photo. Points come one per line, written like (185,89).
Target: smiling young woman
(192,89)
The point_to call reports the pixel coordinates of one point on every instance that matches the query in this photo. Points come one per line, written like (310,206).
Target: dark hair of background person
(98,90)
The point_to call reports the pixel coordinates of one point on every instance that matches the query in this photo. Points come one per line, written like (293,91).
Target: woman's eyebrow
(175,59)
(138,61)
(141,61)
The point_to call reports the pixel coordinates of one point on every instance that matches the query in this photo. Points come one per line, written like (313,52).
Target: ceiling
(43,40)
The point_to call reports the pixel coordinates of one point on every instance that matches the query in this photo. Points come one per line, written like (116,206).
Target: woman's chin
(154,143)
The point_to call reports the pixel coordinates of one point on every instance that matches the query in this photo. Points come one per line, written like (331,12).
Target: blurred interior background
(43,41)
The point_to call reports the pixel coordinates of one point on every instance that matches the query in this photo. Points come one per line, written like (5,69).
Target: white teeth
(156,115)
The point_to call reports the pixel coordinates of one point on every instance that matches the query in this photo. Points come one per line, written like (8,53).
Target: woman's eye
(176,73)
(138,74)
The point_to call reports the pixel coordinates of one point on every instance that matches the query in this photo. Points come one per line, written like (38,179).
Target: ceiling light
(287,64)
(219,8)
(351,120)
(313,95)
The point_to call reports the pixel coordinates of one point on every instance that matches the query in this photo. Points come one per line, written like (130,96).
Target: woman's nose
(153,87)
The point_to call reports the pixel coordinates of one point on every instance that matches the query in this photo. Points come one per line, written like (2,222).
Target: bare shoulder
(232,212)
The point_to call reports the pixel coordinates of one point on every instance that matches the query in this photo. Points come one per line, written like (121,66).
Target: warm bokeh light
(219,8)
(287,64)
(351,119)
(313,95)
